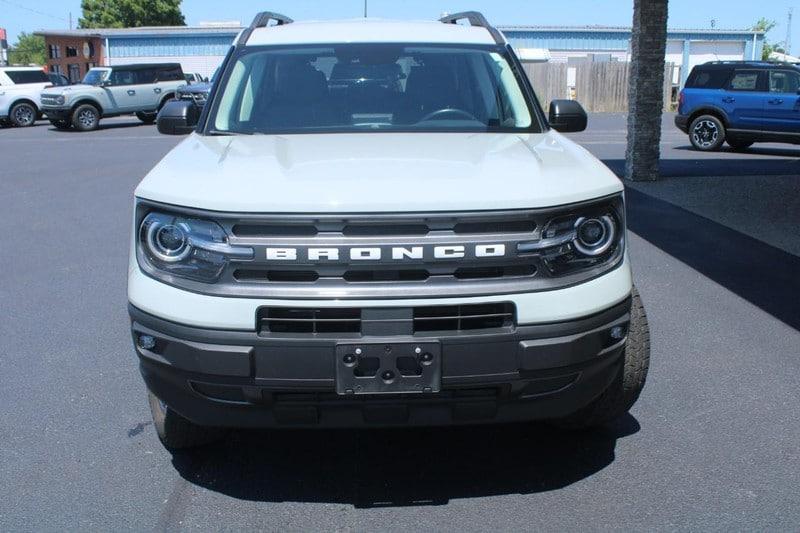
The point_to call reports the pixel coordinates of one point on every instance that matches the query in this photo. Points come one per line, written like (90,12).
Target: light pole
(365,8)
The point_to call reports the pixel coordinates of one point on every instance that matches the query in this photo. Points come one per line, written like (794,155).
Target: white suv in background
(140,89)
(20,90)
(373,223)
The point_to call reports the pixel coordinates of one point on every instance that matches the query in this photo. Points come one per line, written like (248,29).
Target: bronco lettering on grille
(395,253)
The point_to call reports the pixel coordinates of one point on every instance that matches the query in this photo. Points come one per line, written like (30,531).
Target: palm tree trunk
(646,89)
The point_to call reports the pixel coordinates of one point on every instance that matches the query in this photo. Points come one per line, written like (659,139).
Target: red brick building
(73,56)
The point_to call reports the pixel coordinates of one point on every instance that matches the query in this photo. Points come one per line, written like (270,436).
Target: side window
(122,77)
(708,79)
(170,74)
(146,76)
(744,80)
(784,81)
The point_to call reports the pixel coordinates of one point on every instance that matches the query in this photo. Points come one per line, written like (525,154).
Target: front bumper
(57,113)
(682,123)
(241,379)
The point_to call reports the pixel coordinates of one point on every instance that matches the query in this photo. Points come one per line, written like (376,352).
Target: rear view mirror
(178,117)
(567,116)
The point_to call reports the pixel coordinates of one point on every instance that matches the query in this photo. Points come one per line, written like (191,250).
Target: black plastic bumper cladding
(243,379)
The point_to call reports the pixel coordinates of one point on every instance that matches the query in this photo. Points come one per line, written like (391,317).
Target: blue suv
(740,102)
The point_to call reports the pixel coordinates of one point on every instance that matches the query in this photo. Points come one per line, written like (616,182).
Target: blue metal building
(202,48)
(685,48)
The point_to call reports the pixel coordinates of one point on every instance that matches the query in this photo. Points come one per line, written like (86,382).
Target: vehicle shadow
(105,126)
(786,162)
(764,275)
(400,467)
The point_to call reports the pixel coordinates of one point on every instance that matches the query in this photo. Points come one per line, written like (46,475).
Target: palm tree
(646,89)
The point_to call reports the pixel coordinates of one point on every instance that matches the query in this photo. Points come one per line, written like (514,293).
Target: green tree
(766,25)
(29,49)
(130,13)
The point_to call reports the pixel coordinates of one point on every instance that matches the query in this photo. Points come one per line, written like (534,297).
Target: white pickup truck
(373,223)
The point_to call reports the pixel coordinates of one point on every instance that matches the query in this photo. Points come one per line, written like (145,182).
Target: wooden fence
(599,87)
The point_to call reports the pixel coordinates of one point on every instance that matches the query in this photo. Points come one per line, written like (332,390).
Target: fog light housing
(146,342)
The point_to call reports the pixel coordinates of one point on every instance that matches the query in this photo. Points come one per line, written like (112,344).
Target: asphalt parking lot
(713,444)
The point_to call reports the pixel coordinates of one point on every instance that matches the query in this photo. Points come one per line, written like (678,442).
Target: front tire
(86,118)
(23,115)
(707,133)
(174,431)
(629,382)
(147,118)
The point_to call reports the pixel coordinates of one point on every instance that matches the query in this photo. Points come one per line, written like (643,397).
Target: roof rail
(262,20)
(477,19)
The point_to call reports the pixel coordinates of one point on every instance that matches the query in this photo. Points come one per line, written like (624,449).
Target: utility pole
(787,46)
(365,8)
(70,20)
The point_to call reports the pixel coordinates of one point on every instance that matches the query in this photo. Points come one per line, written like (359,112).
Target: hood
(66,89)
(377,172)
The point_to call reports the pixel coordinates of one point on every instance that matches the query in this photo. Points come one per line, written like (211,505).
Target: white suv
(20,89)
(374,224)
(112,91)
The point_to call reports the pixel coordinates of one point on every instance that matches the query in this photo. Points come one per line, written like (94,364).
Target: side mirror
(567,116)
(178,117)
(105,83)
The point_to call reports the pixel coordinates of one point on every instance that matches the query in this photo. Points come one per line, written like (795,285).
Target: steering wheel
(448,111)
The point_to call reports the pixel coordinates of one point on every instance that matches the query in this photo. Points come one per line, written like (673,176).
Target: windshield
(95,76)
(372,87)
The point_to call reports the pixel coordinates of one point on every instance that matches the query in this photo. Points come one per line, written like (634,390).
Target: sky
(27,15)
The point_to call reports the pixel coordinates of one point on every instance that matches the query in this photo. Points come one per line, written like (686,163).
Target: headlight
(61,100)
(187,247)
(591,237)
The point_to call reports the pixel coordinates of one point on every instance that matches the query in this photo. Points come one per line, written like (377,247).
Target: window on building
(54,51)
(745,80)
(90,65)
(784,81)
(55,69)
(72,51)
(74,73)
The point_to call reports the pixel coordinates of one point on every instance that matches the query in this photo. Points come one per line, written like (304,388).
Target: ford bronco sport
(112,91)
(741,102)
(374,224)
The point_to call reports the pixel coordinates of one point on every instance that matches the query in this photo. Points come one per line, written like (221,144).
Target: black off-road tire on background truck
(629,381)
(86,117)
(23,115)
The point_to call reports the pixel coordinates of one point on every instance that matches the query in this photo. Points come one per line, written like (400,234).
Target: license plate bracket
(388,368)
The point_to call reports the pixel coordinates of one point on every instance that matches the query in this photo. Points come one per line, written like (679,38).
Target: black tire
(23,115)
(707,133)
(61,124)
(629,382)
(5,124)
(147,118)
(176,432)
(86,117)
(739,146)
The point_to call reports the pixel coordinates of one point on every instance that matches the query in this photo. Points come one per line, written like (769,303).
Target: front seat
(300,98)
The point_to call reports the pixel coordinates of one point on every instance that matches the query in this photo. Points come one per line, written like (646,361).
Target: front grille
(452,320)
(310,321)
(463,317)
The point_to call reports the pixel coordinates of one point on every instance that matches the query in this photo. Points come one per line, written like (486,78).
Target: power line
(26,8)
